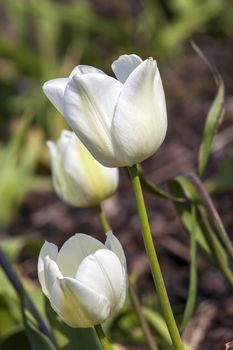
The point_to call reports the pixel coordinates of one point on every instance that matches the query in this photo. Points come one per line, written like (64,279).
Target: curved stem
(102,337)
(102,218)
(153,259)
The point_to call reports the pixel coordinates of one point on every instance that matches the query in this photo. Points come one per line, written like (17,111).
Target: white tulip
(77,177)
(86,281)
(121,121)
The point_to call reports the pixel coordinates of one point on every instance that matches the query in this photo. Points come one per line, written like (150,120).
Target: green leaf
(205,236)
(158,324)
(185,212)
(37,340)
(26,340)
(69,338)
(17,339)
(212,212)
(150,187)
(12,247)
(214,116)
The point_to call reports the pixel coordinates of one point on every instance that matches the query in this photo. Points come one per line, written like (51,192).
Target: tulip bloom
(86,281)
(77,177)
(121,121)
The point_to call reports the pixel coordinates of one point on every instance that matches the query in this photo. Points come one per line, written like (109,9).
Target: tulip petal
(140,120)
(74,250)
(54,89)
(89,103)
(78,305)
(124,66)
(51,273)
(58,176)
(93,181)
(84,69)
(113,244)
(103,273)
(50,250)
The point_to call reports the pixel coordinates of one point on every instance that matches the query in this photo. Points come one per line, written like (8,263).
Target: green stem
(102,337)
(102,218)
(153,259)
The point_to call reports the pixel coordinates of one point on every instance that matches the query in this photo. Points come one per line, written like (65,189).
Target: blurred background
(40,40)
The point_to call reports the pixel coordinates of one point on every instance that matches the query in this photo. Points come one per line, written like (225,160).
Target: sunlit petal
(51,272)
(103,273)
(54,89)
(50,250)
(74,250)
(140,120)
(89,104)
(124,66)
(78,305)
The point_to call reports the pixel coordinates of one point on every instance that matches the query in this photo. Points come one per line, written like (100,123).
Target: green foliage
(10,316)
(15,339)
(214,116)
(18,160)
(223,180)
(37,340)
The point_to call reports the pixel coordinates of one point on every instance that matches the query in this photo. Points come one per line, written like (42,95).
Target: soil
(190,89)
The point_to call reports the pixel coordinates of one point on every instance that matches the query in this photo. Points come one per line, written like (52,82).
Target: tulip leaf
(20,338)
(17,339)
(214,116)
(37,340)
(185,212)
(69,338)
(150,187)
(205,236)
(207,201)
(158,324)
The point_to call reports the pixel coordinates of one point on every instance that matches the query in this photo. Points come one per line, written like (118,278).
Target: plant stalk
(153,260)
(102,337)
(102,219)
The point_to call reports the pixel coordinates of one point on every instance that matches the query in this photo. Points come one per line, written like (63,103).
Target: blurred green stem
(153,259)
(102,218)
(102,337)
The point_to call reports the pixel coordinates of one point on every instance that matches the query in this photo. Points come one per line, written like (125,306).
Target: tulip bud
(77,177)
(86,281)
(121,121)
